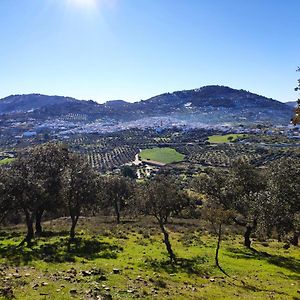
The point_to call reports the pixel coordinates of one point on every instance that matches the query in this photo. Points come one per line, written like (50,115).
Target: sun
(83,3)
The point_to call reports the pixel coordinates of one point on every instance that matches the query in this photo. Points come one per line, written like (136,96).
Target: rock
(107,288)
(67,278)
(212,280)
(73,291)
(86,273)
(130,291)
(45,283)
(102,278)
(105,297)
(116,271)
(7,292)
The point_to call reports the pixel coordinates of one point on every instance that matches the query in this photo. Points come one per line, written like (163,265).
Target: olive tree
(162,198)
(115,193)
(236,189)
(79,189)
(284,187)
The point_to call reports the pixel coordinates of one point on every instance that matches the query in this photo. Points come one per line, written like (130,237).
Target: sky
(136,49)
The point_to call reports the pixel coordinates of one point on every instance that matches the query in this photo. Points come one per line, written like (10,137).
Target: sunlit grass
(137,251)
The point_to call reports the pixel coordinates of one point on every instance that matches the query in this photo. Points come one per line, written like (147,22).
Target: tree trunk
(38,221)
(29,217)
(117,211)
(74,223)
(295,239)
(218,248)
(247,241)
(249,229)
(167,242)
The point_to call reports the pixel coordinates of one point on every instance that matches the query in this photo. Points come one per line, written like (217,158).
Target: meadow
(129,261)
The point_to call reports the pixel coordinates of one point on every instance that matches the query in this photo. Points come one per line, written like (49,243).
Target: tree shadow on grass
(288,263)
(252,288)
(8,235)
(188,265)
(50,233)
(59,251)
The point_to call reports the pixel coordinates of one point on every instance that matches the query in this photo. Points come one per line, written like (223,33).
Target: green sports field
(224,138)
(163,155)
(6,161)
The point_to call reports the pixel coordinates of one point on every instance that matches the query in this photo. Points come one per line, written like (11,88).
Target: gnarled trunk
(247,241)
(219,232)
(38,222)
(29,217)
(247,234)
(117,211)
(295,239)
(167,242)
(74,223)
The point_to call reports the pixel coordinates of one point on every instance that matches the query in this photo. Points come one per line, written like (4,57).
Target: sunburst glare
(88,4)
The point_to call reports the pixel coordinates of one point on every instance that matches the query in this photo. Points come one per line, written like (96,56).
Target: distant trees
(129,172)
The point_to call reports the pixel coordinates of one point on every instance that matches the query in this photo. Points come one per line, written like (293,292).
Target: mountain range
(209,104)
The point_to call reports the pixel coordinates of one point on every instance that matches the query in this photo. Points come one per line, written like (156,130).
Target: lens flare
(83,3)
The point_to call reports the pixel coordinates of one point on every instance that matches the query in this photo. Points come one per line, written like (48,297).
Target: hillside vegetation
(68,231)
(129,261)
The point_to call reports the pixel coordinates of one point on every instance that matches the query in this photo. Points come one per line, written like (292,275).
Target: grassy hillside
(129,261)
(163,155)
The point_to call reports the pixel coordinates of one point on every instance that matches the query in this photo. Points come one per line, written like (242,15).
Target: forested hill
(209,104)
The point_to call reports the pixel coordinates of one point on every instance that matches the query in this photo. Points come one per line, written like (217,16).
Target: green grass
(224,138)
(49,271)
(6,161)
(163,155)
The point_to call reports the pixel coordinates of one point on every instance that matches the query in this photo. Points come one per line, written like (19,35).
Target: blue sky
(135,49)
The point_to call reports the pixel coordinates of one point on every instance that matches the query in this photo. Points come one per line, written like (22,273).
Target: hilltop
(209,104)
